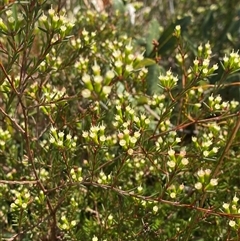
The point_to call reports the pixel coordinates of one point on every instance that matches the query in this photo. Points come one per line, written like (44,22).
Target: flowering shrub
(88,154)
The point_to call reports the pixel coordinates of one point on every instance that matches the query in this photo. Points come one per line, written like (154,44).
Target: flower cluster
(177,161)
(65,224)
(50,95)
(13,22)
(201,65)
(85,40)
(168,81)
(169,139)
(215,104)
(177,31)
(138,164)
(126,116)
(4,137)
(125,63)
(126,140)
(233,208)
(96,134)
(103,178)
(231,62)
(60,140)
(209,143)
(58,23)
(21,199)
(52,61)
(175,190)
(157,101)
(97,86)
(205,182)
(4,190)
(40,199)
(76,174)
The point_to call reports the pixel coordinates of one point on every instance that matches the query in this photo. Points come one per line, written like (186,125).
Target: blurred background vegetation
(216,22)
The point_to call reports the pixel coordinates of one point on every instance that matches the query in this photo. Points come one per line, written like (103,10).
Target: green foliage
(111,133)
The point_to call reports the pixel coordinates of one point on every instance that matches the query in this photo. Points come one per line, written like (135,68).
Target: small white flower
(122,142)
(200,48)
(184,161)
(181,187)
(217,107)
(235,199)
(84,32)
(130,152)
(96,68)
(43,18)
(196,62)
(232,223)
(52,140)
(211,98)
(201,173)
(140,188)
(51,12)
(225,59)
(102,138)
(205,70)
(86,93)
(173,195)
(137,134)
(171,164)
(198,185)
(63,28)
(194,139)
(214,182)
(24,205)
(178,27)
(85,134)
(215,67)
(106,90)
(215,149)
(234,207)
(182,153)
(171,152)
(226,205)
(155,209)
(73,223)
(94,238)
(129,68)
(120,135)
(206,62)
(98,79)
(86,78)
(60,143)
(133,140)
(64,226)
(118,64)
(110,74)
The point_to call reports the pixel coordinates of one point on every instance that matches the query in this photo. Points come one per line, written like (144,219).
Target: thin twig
(25,182)
(13,121)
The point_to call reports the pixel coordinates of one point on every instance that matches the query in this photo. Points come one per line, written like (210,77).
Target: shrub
(104,137)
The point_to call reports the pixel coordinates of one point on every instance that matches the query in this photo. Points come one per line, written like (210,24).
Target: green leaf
(142,100)
(152,78)
(118,5)
(144,62)
(167,40)
(153,33)
(42,29)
